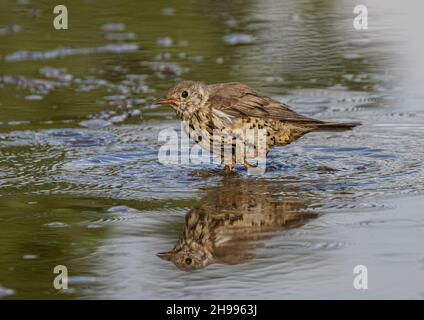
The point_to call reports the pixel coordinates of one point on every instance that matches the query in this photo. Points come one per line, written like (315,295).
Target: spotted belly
(238,139)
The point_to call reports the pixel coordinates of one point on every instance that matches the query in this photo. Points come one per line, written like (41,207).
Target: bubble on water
(95,123)
(121,36)
(119,118)
(116,214)
(114,97)
(24,55)
(167,11)
(219,60)
(56,73)
(34,97)
(30,257)
(164,42)
(4,292)
(113,27)
(238,38)
(10,29)
(94,226)
(231,23)
(56,224)
(163,56)
(86,88)
(136,77)
(348,76)
(39,86)
(196,58)
(121,209)
(135,113)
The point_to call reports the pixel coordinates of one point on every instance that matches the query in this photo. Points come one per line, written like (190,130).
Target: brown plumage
(234,108)
(235,220)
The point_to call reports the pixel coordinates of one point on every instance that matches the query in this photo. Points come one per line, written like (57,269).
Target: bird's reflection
(235,219)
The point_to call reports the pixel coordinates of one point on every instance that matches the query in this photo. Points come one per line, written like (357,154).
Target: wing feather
(239,100)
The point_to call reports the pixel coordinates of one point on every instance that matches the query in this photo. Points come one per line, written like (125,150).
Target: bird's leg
(228,168)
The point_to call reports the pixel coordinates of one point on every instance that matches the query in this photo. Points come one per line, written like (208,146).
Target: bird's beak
(166,255)
(164,100)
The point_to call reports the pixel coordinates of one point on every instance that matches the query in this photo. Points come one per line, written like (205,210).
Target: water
(81,186)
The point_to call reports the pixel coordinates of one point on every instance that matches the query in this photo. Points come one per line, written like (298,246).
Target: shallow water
(81,185)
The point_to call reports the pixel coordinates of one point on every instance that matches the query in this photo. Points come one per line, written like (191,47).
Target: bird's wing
(239,100)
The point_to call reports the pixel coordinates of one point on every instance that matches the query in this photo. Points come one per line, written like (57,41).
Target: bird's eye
(188,261)
(184,94)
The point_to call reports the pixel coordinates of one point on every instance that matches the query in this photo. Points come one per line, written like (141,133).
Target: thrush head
(185,259)
(186,97)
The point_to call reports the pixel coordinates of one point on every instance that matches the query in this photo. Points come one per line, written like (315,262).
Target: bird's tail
(334,126)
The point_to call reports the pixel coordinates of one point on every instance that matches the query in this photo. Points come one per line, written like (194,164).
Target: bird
(235,220)
(218,115)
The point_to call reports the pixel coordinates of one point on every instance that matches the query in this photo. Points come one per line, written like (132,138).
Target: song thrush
(236,108)
(235,220)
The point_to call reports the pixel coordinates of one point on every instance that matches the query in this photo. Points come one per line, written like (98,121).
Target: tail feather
(334,126)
